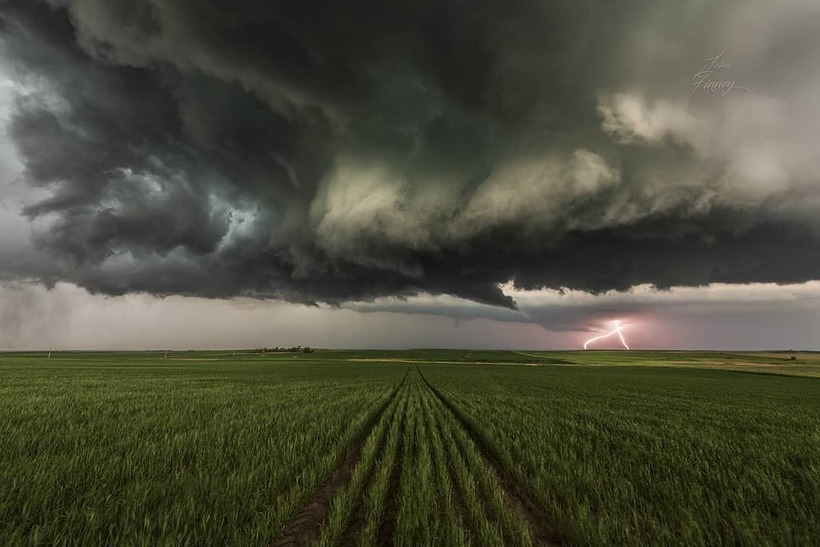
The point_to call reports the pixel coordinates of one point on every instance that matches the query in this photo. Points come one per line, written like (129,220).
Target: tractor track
(358,516)
(515,495)
(305,526)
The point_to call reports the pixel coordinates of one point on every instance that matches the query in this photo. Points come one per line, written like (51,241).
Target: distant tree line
(277,349)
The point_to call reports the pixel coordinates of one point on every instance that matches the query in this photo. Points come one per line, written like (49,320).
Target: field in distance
(795,363)
(416,447)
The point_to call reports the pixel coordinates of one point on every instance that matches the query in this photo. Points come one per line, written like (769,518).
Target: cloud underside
(333,153)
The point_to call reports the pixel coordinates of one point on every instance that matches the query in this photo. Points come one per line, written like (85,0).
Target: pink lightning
(617,330)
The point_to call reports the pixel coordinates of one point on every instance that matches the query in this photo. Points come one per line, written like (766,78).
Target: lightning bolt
(617,330)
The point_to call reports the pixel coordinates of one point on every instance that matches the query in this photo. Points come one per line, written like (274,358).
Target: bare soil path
(515,494)
(305,528)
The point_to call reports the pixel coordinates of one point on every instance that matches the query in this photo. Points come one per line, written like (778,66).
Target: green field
(422,447)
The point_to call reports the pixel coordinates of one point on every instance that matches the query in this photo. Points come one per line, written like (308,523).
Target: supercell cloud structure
(348,151)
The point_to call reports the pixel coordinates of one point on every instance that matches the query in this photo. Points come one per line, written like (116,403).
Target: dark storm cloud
(332,152)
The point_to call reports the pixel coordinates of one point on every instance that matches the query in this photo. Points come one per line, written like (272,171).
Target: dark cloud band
(327,152)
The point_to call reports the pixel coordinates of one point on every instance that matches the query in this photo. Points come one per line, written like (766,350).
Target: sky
(516,174)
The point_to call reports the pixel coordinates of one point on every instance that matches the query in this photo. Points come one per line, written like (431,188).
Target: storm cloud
(336,152)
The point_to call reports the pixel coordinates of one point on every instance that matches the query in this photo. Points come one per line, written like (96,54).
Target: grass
(117,449)
(638,448)
(444,495)
(645,456)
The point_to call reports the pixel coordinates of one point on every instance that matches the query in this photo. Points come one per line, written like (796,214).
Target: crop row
(172,453)
(422,480)
(647,456)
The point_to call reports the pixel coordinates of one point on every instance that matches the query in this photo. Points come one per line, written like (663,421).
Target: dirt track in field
(306,526)
(515,494)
